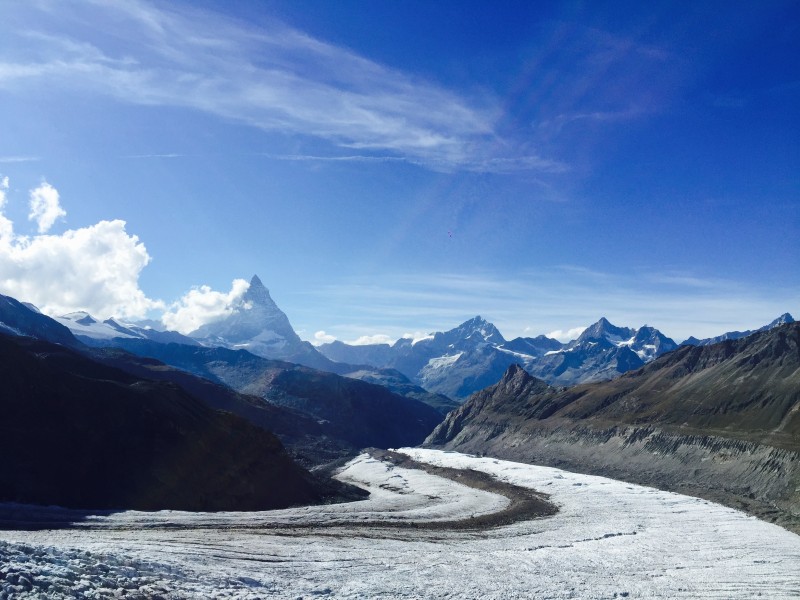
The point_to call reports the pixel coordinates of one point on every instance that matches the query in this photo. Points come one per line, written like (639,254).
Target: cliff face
(721,422)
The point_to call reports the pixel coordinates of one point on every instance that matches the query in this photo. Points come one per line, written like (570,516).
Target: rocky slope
(719,421)
(341,413)
(80,434)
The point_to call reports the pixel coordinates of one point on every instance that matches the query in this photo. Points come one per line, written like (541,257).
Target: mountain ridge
(719,421)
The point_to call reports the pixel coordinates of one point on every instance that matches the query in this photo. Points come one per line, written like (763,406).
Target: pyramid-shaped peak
(514,371)
(257,293)
(255,282)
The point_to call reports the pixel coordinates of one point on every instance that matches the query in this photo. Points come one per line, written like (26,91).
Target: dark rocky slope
(85,435)
(341,414)
(720,421)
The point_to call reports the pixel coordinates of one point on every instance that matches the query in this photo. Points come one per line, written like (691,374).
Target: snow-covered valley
(609,539)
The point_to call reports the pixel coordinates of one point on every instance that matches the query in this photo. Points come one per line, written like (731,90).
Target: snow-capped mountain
(260,327)
(735,335)
(603,351)
(94,332)
(23,319)
(475,354)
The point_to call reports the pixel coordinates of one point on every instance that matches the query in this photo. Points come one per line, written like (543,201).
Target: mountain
(21,319)
(719,421)
(463,360)
(93,332)
(341,413)
(81,434)
(603,351)
(735,335)
(260,327)
(320,416)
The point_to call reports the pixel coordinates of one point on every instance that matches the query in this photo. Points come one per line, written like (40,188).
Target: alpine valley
(620,401)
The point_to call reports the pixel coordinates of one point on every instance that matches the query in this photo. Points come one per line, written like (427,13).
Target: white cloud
(365,340)
(417,336)
(45,207)
(93,268)
(566,336)
(202,305)
(320,337)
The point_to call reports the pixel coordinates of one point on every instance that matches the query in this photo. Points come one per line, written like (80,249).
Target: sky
(395,168)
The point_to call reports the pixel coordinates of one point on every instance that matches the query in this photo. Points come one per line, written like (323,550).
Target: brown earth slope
(720,421)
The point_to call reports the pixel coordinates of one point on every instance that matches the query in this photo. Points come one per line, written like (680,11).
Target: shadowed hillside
(84,435)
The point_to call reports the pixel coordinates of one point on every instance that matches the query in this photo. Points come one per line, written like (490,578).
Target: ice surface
(441,362)
(610,539)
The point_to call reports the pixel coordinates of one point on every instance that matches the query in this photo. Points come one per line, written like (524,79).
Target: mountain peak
(604,329)
(782,320)
(257,293)
(477,324)
(514,372)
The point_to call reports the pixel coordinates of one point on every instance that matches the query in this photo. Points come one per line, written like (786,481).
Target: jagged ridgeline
(720,421)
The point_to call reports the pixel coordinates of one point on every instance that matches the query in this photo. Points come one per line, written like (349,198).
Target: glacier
(609,540)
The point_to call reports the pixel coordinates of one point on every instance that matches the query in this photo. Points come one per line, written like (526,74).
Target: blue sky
(389,168)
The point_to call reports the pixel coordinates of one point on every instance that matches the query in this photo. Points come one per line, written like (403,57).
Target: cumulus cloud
(321,337)
(378,338)
(45,206)
(93,268)
(202,305)
(568,335)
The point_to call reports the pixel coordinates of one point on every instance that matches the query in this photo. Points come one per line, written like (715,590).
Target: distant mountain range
(729,403)
(475,354)
(720,421)
(440,367)
(348,414)
(735,335)
(466,359)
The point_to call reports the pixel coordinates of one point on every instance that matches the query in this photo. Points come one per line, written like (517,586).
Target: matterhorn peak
(258,294)
(255,282)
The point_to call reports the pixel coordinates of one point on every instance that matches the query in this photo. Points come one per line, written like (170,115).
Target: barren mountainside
(721,421)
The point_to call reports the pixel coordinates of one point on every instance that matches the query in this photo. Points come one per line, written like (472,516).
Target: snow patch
(443,362)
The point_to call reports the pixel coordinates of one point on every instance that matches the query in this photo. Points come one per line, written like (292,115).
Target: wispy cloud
(171,155)
(275,78)
(18,159)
